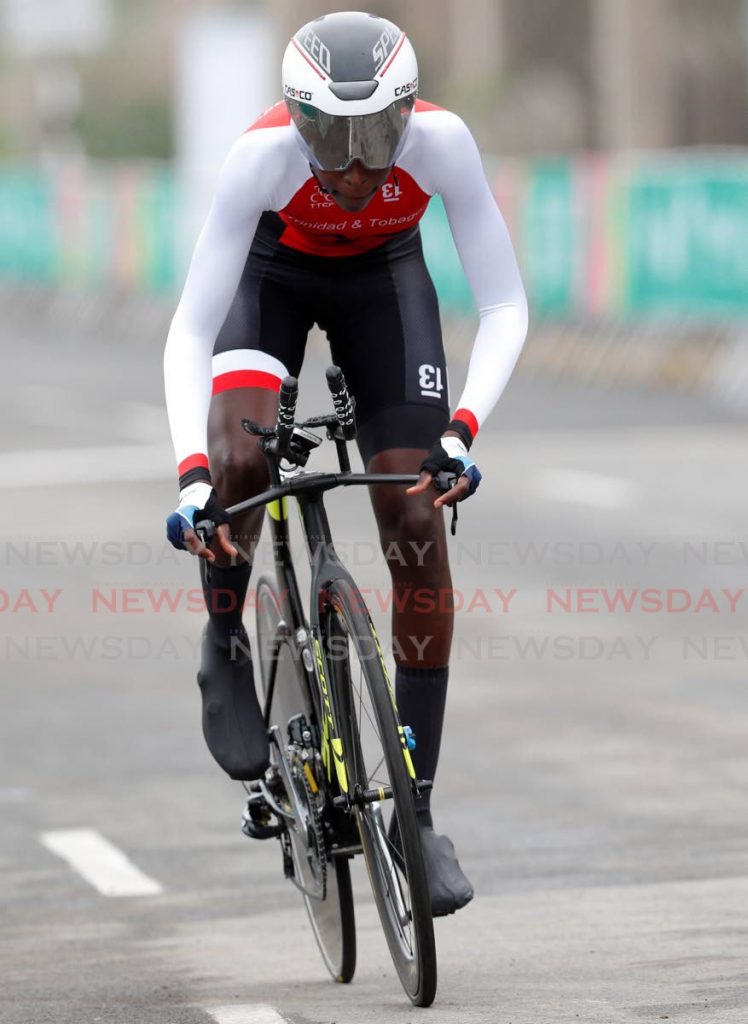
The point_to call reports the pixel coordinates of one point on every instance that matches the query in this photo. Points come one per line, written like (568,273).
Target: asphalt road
(595,764)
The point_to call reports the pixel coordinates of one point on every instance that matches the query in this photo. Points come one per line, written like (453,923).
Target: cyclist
(315,220)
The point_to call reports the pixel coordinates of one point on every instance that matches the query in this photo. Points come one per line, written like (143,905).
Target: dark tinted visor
(335,140)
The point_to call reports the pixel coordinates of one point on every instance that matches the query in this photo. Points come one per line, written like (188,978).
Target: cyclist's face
(355,187)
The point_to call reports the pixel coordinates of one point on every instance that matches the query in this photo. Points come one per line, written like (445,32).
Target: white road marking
(109,464)
(250,1013)
(580,487)
(99,862)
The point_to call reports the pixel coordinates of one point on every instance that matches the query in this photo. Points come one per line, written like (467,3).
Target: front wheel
(282,675)
(380,784)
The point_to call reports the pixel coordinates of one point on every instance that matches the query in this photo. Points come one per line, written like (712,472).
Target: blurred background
(594,766)
(613,135)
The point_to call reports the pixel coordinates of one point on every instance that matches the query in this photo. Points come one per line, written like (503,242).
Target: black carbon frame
(325,565)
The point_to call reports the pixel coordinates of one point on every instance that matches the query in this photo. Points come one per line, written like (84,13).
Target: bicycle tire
(412,947)
(332,919)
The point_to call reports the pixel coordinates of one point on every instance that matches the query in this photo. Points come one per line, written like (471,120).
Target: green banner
(158,234)
(595,236)
(549,237)
(443,261)
(687,239)
(28,227)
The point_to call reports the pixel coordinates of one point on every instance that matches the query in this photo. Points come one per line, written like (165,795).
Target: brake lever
(206,530)
(257,428)
(326,420)
(443,482)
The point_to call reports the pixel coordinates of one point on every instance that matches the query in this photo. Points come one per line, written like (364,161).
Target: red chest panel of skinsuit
(315,224)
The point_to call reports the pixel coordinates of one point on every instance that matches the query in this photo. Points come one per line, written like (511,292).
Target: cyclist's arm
(487,256)
(212,280)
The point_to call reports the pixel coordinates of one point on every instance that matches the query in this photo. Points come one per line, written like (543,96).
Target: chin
(353,205)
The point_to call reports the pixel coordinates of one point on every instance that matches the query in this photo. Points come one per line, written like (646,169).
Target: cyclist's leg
(393,358)
(390,347)
(414,545)
(261,341)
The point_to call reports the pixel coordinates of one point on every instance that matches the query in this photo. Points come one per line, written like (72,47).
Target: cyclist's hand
(449,454)
(195,546)
(196,502)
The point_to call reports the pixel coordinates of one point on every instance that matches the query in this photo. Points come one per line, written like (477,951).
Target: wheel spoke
(371,776)
(373,752)
(393,879)
(366,711)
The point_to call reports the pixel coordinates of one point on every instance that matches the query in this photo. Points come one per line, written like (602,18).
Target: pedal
(258,821)
(288,867)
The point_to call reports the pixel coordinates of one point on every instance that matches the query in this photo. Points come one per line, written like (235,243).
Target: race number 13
(430,380)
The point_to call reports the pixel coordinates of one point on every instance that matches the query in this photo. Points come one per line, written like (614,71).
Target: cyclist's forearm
(187,384)
(497,347)
(215,270)
(488,259)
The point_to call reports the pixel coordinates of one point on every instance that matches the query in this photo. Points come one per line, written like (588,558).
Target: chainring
(310,847)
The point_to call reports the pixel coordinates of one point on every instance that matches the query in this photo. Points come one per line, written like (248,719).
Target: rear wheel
(332,918)
(380,783)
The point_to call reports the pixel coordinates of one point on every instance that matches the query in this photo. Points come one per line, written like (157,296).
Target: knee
(412,537)
(238,475)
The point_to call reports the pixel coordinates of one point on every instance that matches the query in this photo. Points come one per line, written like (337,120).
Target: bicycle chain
(320,851)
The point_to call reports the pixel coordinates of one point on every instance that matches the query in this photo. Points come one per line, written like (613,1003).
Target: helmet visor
(334,141)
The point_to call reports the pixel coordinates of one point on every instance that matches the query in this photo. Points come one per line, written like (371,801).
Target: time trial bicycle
(341,780)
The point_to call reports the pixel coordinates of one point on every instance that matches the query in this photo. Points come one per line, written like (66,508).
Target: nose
(356,174)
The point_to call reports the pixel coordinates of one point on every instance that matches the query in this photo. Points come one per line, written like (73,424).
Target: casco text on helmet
(350,48)
(350,81)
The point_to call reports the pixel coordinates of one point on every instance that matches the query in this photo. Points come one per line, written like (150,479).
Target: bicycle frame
(307,639)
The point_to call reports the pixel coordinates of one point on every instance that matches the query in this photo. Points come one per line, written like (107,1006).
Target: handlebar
(322,482)
(282,444)
(289,393)
(341,399)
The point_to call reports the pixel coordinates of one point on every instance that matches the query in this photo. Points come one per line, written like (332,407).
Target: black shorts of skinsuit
(381,316)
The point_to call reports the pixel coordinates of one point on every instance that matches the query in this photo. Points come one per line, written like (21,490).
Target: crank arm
(273,804)
(285,774)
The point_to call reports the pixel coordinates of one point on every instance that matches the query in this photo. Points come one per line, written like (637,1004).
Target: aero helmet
(350,82)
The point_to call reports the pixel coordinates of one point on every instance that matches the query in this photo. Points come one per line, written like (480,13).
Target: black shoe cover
(233,725)
(449,889)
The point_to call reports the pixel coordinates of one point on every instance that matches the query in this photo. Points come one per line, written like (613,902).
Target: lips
(355,196)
